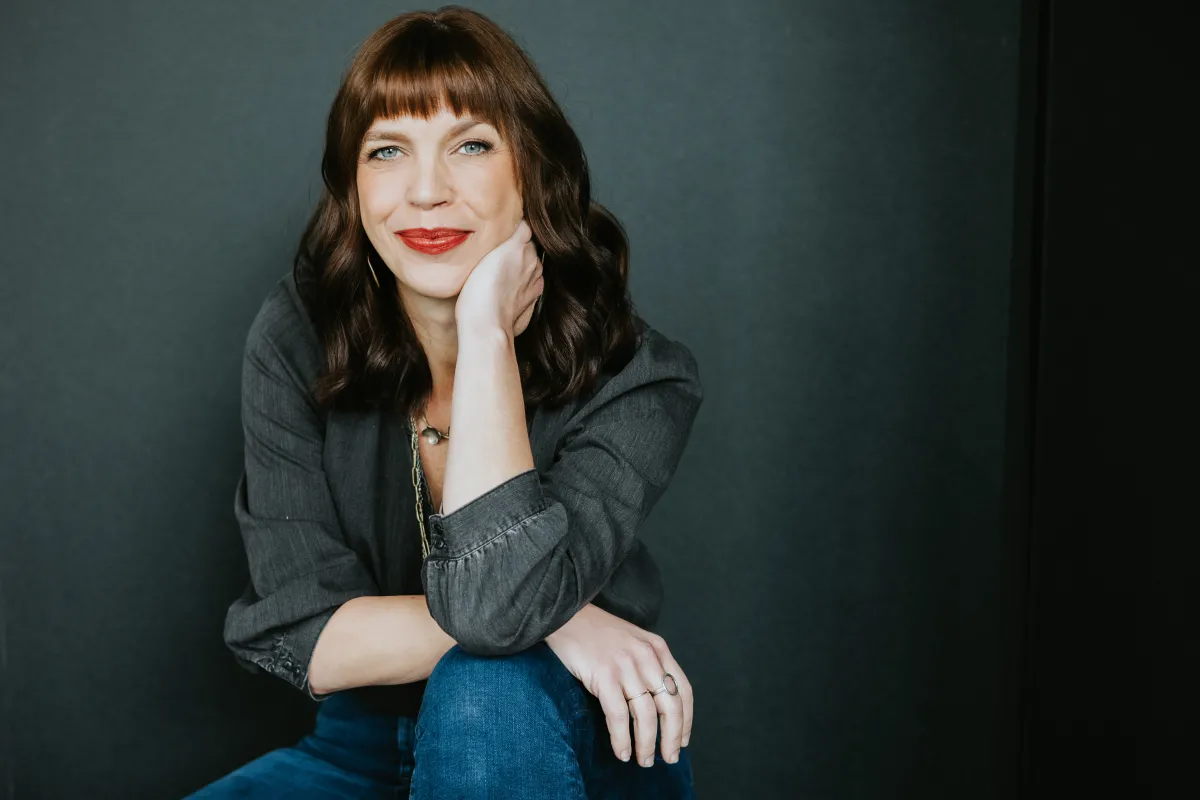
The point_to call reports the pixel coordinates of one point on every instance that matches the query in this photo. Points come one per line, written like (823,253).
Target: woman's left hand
(502,289)
(615,659)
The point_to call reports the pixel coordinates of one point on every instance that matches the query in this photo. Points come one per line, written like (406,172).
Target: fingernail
(685,740)
(649,762)
(673,758)
(624,755)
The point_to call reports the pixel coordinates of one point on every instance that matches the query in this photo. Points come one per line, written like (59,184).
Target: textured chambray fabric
(325,506)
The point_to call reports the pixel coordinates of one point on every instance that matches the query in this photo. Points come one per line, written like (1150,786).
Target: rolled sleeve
(513,565)
(301,568)
(495,513)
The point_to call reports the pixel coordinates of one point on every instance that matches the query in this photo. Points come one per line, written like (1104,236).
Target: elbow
(498,640)
(490,628)
(491,634)
(488,645)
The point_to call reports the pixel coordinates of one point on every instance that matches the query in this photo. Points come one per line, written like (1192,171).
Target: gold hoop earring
(372,268)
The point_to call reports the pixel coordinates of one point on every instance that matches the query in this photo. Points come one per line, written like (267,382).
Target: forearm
(490,442)
(376,640)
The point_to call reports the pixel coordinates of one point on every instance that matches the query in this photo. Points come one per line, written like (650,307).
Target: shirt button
(438,541)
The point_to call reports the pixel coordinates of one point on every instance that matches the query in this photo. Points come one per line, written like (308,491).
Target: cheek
(372,199)
(496,191)
(364,198)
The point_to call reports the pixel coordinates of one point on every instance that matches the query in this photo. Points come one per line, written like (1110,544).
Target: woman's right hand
(503,287)
(615,659)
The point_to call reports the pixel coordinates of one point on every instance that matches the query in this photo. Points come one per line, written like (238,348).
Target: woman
(455,424)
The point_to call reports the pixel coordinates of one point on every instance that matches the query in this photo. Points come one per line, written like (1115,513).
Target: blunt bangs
(429,68)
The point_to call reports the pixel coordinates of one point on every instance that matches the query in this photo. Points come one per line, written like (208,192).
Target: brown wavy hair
(417,64)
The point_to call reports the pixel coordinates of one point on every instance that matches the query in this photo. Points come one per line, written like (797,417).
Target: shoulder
(283,335)
(664,357)
(660,364)
(643,409)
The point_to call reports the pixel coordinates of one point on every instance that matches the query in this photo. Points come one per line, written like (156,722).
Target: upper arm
(301,568)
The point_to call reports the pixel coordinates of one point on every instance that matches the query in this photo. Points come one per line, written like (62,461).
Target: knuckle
(619,718)
(622,658)
(645,650)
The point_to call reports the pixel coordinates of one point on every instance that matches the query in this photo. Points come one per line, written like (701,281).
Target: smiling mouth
(442,240)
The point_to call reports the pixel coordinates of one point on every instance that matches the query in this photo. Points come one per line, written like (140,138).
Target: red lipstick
(433,240)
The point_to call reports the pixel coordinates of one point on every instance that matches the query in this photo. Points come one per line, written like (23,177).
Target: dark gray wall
(819,198)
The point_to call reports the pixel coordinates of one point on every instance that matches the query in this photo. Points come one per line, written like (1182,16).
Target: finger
(668,706)
(533,266)
(523,233)
(524,318)
(616,715)
(534,282)
(537,283)
(529,309)
(681,680)
(685,686)
(642,708)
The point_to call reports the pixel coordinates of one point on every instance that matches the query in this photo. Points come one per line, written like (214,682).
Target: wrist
(482,334)
(566,626)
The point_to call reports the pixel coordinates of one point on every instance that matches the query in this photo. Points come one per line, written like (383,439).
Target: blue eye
(486,147)
(377,151)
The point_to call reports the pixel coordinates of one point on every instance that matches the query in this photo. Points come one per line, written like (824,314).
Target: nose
(430,185)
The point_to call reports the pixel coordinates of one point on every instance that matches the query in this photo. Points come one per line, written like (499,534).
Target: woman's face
(444,172)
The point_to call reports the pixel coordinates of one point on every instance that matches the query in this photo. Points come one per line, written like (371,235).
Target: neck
(437,331)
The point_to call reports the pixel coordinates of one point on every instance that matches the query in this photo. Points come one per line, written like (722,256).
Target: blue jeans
(517,726)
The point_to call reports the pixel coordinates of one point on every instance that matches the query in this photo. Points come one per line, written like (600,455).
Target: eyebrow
(385,134)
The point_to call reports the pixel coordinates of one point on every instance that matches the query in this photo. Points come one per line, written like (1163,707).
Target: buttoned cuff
(492,514)
(293,654)
(296,653)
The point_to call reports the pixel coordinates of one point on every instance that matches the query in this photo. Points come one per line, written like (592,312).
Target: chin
(443,287)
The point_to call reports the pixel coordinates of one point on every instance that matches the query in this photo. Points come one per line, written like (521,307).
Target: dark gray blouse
(326,508)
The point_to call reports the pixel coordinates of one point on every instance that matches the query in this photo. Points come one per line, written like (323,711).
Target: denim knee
(532,686)
(499,721)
